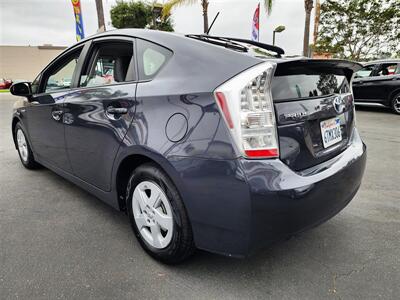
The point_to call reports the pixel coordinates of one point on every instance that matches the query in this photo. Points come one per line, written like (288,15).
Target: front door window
(61,75)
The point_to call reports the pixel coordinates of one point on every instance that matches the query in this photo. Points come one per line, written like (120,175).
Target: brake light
(247,106)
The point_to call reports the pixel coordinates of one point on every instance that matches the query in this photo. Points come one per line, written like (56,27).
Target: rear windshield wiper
(219,41)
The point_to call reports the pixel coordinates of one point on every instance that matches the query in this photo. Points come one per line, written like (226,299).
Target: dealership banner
(80,34)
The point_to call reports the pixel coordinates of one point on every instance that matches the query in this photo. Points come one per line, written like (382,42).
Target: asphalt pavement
(59,242)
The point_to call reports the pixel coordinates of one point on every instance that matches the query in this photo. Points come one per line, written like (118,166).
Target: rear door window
(151,58)
(109,63)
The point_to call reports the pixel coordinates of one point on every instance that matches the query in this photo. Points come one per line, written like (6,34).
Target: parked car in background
(378,83)
(201,143)
(5,84)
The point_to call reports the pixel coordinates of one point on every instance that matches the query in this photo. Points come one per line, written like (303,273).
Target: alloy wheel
(396,104)
(22,145)
(153,214)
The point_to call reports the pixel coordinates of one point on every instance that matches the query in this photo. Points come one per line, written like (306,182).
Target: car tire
(395,104)
(24,149)
(158,216)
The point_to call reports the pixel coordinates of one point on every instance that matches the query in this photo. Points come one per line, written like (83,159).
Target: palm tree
(308,5)
(204,4)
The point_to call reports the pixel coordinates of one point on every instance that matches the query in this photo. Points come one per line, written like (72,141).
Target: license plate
(331,132)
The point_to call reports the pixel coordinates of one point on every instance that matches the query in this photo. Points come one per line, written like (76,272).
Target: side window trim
(88,61)
(80,64)
(89,64)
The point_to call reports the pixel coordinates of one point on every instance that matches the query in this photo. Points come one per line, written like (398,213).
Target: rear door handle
(116,110)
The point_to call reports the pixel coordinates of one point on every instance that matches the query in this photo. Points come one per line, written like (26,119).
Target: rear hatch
(314,110)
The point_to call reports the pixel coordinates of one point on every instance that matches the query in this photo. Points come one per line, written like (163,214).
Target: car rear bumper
(293,202)
(237,207)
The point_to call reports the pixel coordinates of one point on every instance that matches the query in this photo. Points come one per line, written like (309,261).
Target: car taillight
(247,106)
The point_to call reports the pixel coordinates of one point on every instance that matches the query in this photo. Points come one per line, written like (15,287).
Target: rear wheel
(396,104)
(24,149)
(158,216)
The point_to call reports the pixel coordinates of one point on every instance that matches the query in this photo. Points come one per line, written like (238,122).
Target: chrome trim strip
(369,104)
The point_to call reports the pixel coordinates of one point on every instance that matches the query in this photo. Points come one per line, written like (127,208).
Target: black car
(378,83)
(205,142)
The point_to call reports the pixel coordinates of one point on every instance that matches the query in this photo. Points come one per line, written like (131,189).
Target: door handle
(57,114)
(116,110)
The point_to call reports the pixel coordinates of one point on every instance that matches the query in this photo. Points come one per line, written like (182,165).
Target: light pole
(100,15)
(277,29)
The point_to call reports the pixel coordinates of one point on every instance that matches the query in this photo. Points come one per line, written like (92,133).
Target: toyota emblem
(338,104)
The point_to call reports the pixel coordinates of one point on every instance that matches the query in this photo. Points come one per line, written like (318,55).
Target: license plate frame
(331,132)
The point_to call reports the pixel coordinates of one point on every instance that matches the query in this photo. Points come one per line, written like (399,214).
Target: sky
(38,22)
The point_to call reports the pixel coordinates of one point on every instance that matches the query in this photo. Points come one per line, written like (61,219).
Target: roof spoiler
(279,51)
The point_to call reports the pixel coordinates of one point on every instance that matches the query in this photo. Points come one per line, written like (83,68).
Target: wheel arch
(393,94)
(130,162)
(15,120)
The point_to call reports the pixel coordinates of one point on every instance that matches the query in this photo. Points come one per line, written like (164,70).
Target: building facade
(25,62)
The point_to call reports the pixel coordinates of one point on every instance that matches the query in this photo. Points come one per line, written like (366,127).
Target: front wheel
(395,104)
(158,216)
(24,149)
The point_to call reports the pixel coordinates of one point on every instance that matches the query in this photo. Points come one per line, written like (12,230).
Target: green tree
(130,14)
(359,29)
(138,14)
(204,5)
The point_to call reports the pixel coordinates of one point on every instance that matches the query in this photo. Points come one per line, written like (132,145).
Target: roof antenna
(209,28)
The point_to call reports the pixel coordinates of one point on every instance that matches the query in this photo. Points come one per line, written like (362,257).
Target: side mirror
(21,89)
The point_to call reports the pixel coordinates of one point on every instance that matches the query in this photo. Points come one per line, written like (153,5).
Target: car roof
(166,39)
(173,40)
(382,61)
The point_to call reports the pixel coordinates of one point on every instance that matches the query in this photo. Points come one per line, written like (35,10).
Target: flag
(255,33)
(80,34)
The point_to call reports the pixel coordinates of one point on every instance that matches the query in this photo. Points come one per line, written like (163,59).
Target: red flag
(255,33)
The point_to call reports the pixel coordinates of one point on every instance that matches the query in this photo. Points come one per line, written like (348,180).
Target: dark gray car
(205,142)
(378,84)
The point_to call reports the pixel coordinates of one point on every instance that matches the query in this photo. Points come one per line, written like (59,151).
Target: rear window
(296,86)
(291,83)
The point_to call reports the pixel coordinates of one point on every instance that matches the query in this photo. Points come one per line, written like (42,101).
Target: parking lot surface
(57,241)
